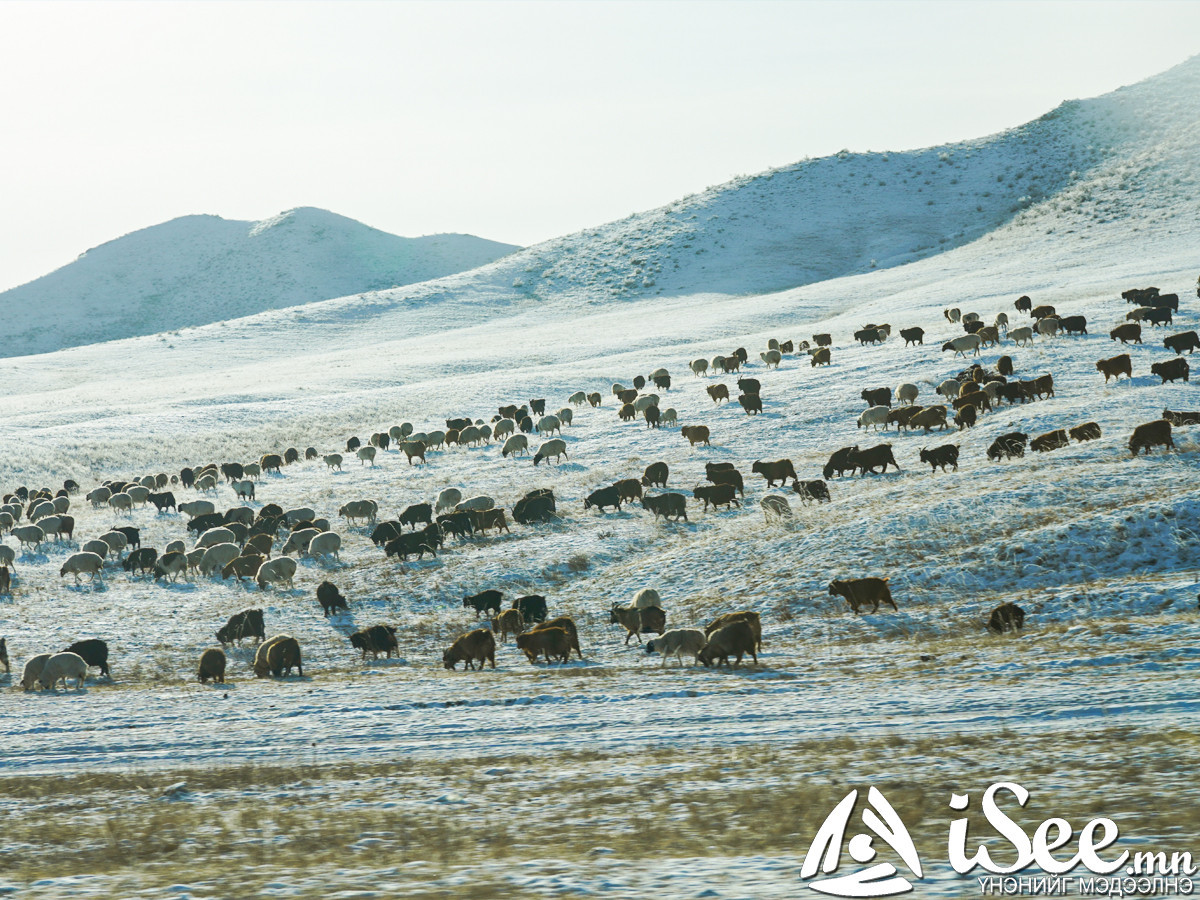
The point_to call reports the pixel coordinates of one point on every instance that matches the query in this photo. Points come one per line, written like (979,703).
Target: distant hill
(196,270)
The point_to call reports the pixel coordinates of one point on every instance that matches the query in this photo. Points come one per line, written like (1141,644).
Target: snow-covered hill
(200,269)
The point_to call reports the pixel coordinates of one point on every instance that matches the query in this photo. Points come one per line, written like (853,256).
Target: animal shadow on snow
(97,587)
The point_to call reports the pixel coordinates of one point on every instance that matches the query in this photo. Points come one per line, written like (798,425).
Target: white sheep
(30,536)
(396,434)
(566,416)
(61,505)
(360,509)
(481,502)
(992,389)
(84,563)
(60,667)
(517,443)
(121,502)
(1021,336)
(1001,322)
(413,450)
(252,471)
(175,546)
(504,427)
(298,541)
(907,393)
(699,367)
(645,598)
(8,556)
(100,548)
(7,520)
(41,510)
(556,448)
(98,497)
(366,454)
(433,440)
(33,668)
(968,318)
(677,642)
(327,543)
(470,436)
(195,557)
(775,508)
(51,525)
(214,536)
(194,508)
(669,416)
(244,489)
(138,495)
(617,388)
(578,398)
(217,556)
(549,425)
(960,345)
(771,358)
(147,481)
(874,415)
(1048,326)
(206,482)
(949,388)
(277,571)
(299,514)
(447,499)
(116,540)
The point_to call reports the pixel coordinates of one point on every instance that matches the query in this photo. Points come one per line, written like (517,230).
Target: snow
(1100,549)
(200,269)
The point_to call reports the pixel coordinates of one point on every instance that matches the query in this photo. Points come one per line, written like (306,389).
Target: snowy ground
(1100,549)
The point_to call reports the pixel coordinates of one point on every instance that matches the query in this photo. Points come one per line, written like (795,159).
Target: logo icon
(879,880)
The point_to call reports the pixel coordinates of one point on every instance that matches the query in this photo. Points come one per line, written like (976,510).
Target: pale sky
(512,121)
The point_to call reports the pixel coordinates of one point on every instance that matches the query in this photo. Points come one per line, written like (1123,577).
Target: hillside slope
(200,269)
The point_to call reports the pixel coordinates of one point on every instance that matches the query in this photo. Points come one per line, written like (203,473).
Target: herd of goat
(239,542)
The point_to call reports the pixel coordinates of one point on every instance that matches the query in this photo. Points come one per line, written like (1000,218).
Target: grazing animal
(1115,367)
(861,591)
(1051,440)
(1171,370)
(165,500)
(359,509)
(820,357)
(822,340)
(327,543)
(630,489)
(677,642)
(1188,341)
(448,499)
(532,607)
(775,508)
(812,490)
(277,656)
(417,514)
(695,434)
(483,519)
(276,571)
(1073,324)
(667,505)
(474,646)
(646,620)
(594,399)
(960,345)
(603,497)
(656,474)
(271,462)
(735,639)
(1006,617)
(508,622)
(212,665)
(1021,336)
(333,460)
(748,616)
(94,652)
(484,600)
(366,454)
(868,336)
(965,417)
(932,417)
(555,643)
(717,494)
(725,473)
(780,470)
(142,559)
(953,314)
(1181,418)
(1023,304)
(751,403)
(749,385)
(79,564)
(556,448)
(718,392)
(945,455)
(1048,326)
(1088,431)
(418,542)
(1149,435)
(1130,331)
(61,667)
(907,393)
(880,455)
(877,396)
(1008,446)
(913,336)
(517,443)
(331,599)
(536,506)
(840,462)
(171,564)
(1042,312)
(33,669)
(375,639)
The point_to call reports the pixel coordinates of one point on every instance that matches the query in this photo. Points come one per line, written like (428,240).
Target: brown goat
(860,591)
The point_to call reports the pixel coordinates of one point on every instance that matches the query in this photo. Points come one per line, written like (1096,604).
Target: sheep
(1006,617)
(751,403)
(652,416)
(1048,326)
(375,640)
(171,564)
(122,502)
(735,639)
(1151,434)
(578,398)
(277,656)
(298,540)
(1051,440)
(1130,331)
(594,399)
(1181,418)
(1001,322)
(648,620)
(518,443)
(478,502)
(510,621)
(960,345)
(299,514)
(945,455)
(656,474)
(565,415)
(61,504)
(1171,370)
(644,402)
(278,571)
(1042,312)
(1088,431)
(33,669)
(677,642)
(771,358)
(950,388)
(718,392)
(193,509)
(98,497)
(8,555)
(214,536)
(83,563)
(360,509)
(874,415)
(907,393)
(245,566)
(1008,446)
(549,425)
(1023,304)
(699,367)
(820,357)
(327,543)
(775,508)
(556,448)
(504,428)
(252,470)
(366,454)
(748,616)
(244,489)
(952,314)
(212,665)
(432,440)
(217,557)
(695,434)
(473,646)
(1021,336)
(1188,341)
(60,667)
(860,591)
(812,490)
(965,417)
